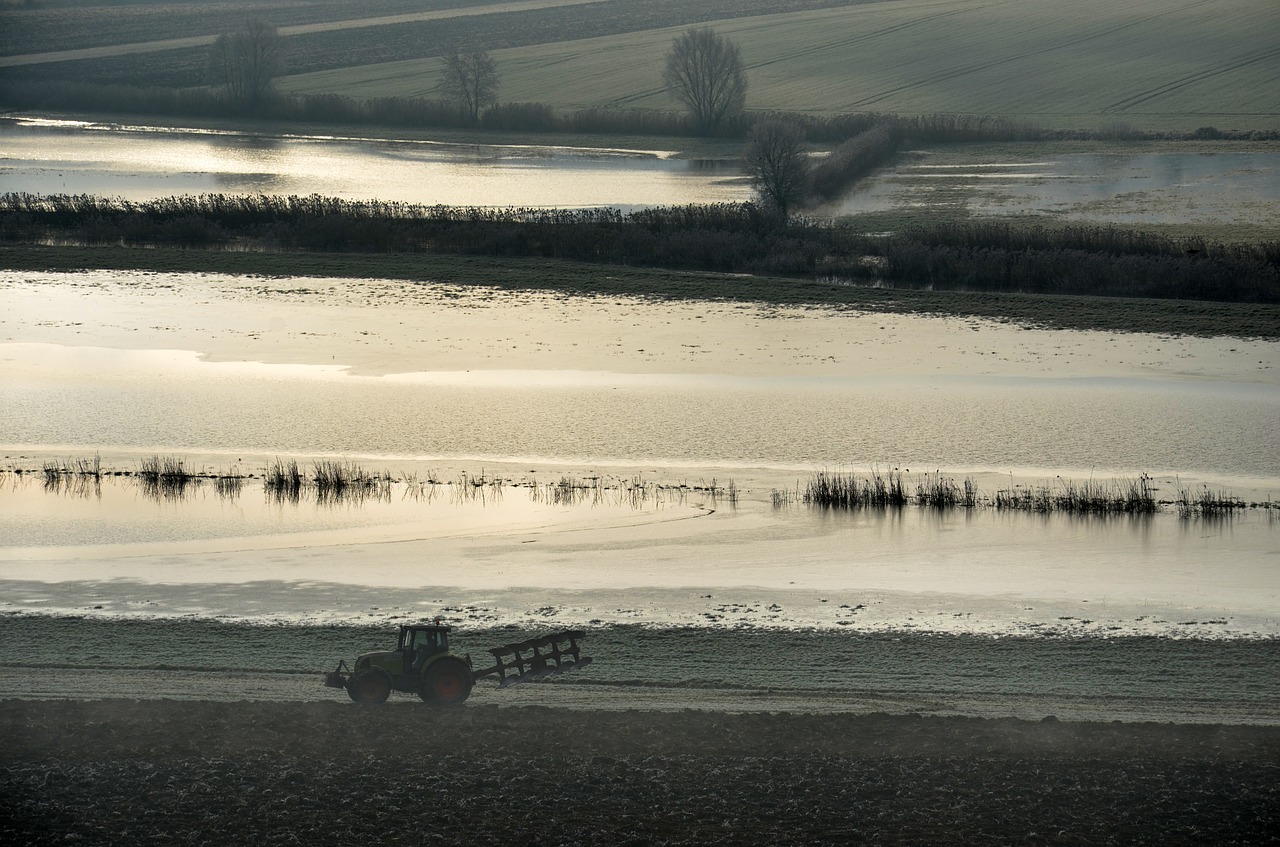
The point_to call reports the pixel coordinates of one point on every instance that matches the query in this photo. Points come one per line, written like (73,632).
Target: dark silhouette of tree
(777,165)
(247,63)
(470,82)
(704,71)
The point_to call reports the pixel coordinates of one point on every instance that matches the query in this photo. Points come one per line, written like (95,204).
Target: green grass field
(1152,64)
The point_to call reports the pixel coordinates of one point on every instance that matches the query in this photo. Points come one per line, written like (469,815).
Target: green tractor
(422,664)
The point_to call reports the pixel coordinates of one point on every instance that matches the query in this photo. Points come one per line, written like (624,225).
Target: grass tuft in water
(283,482)
(839,490)
(1207,503)
(164,477)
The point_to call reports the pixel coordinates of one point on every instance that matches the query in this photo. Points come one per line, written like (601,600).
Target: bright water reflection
(91,397)
(139,163)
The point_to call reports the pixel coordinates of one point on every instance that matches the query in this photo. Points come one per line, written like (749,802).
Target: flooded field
(696,422)
(1126,187)
(685,402)
(44,156)
(1132,185)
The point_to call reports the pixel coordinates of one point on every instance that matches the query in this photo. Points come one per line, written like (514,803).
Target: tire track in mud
(1190,79)
(942,76)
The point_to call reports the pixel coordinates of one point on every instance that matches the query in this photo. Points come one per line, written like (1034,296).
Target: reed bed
(336,482)
(330,482)
(55,472)
(1207,503)
(283,482)
(165,477)
(942,492)
(729,237)
(839,490)
(1132,497)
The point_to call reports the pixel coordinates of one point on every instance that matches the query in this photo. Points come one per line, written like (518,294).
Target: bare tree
(471,81)
(777,164)
(247,63)
(704,71)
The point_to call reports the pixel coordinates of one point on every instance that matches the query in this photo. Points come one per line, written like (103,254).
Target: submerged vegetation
(329,482)
(164,477)
(333,482)
(1207,503)
(888,490)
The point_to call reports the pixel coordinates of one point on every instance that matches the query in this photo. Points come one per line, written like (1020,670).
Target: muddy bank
(127,772)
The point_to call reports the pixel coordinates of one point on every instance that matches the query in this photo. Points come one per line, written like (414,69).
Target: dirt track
(127,772)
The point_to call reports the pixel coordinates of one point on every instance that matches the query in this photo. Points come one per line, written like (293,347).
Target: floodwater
(46,156)
(431,381)
(83,398)
(108,588)
(1134,188)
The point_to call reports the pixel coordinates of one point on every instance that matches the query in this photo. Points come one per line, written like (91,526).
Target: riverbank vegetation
(1109,314)
(725,238)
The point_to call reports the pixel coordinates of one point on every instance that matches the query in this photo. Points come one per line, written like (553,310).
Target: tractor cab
(420,642)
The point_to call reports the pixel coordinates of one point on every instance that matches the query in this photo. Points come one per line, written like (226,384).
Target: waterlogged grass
(890,490)
(165,477)
(1208,503)
(334,482)
(1118,314)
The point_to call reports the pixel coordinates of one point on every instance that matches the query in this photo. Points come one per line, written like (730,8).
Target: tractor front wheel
(370,688)
(446,683)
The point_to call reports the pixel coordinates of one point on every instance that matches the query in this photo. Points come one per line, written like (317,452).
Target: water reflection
(138,164)
(1122,188)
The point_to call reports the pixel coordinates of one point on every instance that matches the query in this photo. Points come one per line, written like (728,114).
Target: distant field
(120,44)
(1158,64)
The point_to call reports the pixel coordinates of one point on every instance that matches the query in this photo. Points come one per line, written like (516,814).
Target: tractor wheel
(446,683)
(370,688)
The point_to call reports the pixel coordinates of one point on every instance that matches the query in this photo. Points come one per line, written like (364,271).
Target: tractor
(422,664)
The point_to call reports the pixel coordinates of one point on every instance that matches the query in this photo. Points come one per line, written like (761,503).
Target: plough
(421,663)
(548,655)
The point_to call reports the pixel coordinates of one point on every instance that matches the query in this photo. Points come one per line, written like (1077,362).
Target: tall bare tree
(247,63)
(704,71)
(776,163)
(470,81)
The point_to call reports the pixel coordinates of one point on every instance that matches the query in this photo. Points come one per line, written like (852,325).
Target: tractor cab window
(424,643)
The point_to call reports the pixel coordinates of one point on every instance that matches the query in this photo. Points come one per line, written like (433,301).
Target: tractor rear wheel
(446,683)
(370,688)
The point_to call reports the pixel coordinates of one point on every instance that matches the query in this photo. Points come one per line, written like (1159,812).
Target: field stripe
(979,67)
(1189,79)
(834,44)
(301,29)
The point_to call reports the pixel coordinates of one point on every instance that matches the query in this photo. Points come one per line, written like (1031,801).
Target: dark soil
(124,772)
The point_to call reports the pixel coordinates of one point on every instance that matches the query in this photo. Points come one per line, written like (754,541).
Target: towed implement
(422,664)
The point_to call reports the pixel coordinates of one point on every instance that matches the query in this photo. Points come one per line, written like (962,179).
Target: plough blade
(538,658)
